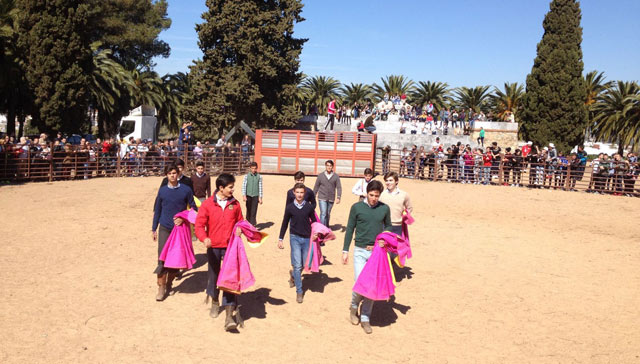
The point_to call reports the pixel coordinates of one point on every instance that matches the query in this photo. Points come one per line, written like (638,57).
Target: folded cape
(235,274)
(376,281)
(404,250)
(178,250)
(314,258)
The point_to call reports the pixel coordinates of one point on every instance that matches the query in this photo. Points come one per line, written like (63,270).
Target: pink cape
(235,274)
(314,257)
(404,250)
(178,250)
(376,281)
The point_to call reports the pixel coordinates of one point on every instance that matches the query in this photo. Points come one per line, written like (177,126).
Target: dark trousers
(252,209)
(163,235)
(330,120)
(215,257)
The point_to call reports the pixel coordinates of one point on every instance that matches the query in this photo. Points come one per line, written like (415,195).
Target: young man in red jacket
(214,225)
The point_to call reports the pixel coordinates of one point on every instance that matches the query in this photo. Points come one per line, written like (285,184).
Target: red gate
(288,151)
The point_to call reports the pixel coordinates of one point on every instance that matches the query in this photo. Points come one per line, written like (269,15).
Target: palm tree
(148,89)
(320,91)
(355,92)
(436,92)
(595,85)
(392,85)
(509,100)
(472,98)
(109,83)
(175,88)
(616,115)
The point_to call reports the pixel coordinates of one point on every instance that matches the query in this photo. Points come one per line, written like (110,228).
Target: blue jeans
(360,257)
(486,175)
(325,211)
(299,251)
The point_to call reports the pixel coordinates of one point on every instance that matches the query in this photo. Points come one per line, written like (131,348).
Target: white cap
(545,148)
(529,142)
(551,145)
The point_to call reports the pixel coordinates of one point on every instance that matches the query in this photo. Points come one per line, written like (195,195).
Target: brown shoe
(229,322)
(292,283)
(366,327)
(162,288)
(353,316)
(215,309)
(170,277)
(299,297)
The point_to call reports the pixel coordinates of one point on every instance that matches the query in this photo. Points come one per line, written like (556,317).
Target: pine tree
(249,70)
(55,43)
(554,109)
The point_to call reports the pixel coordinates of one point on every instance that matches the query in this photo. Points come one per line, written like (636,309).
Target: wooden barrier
(288,151)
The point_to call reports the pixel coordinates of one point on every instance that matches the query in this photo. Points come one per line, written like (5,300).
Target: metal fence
(77,162)
(618,177)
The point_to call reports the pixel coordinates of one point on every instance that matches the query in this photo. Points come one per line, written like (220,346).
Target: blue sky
(461,42)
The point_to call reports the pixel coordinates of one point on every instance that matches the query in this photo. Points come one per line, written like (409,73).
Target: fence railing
(617,178)
(76,162)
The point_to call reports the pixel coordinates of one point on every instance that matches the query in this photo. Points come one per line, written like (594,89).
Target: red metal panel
(292,149)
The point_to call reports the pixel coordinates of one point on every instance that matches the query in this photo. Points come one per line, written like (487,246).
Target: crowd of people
(416,119)
(544,167)
(78,157)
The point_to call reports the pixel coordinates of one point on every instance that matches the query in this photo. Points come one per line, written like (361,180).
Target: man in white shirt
(360,188)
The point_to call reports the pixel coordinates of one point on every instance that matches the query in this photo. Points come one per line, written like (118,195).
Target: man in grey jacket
(325,190)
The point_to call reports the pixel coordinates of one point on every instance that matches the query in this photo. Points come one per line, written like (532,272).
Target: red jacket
(217,224)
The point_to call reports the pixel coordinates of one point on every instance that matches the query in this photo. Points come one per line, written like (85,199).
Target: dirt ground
(499,275)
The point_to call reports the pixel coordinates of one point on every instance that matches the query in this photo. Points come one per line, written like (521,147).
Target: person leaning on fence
(367,218)
(172,198)
(252,192)
(325,188)
(214,225)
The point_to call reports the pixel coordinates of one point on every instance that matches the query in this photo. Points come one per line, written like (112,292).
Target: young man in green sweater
(368,218)
(252,192)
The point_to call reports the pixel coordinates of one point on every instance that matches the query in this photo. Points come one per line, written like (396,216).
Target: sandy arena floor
(499,275)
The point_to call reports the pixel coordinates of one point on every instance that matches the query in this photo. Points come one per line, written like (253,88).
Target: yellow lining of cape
(258,243)
(393,276)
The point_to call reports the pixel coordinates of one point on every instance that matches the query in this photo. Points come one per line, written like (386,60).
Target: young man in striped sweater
(368,218)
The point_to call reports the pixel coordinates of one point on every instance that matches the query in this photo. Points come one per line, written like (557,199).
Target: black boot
(229,322)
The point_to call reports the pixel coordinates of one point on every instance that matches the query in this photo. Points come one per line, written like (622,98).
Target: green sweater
(368,223)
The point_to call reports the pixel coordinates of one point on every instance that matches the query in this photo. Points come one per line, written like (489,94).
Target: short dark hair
(329,161)
(253,164)
(199,164)
(169,168)
(375,186)
(179,162)
(224,180)
(391,174)
(298,175)
(368,171)
(299,185)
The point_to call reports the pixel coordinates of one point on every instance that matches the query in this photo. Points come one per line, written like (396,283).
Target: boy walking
(201,182)
(368,218)
(252,192)
(299,214)
(360,188)
(309,196)
(171,199)
(327,183)
(397,200)
(214,226)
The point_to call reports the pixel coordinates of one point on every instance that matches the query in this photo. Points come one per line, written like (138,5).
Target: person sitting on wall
(368,125)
